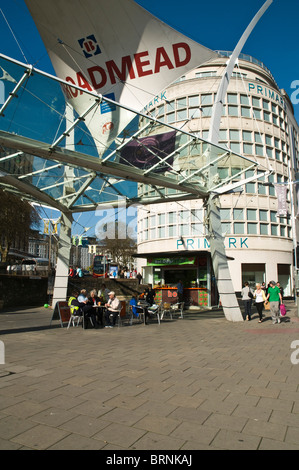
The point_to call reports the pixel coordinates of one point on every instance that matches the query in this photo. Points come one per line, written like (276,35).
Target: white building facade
(257,122)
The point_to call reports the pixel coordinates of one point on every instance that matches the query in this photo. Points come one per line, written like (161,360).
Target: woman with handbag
(260,298)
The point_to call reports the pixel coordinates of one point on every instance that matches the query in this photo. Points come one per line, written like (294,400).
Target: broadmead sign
(120,50)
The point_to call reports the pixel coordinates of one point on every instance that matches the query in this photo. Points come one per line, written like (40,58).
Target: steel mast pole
(219,259)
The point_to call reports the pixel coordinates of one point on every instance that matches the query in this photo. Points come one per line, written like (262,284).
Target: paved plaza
(195,383)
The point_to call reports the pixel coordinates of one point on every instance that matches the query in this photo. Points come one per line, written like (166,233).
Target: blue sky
(216,24)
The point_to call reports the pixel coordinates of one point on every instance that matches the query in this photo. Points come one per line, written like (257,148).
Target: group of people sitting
(105,304)
(93,307)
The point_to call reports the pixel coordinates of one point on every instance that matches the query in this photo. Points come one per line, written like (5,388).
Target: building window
(225,214)
(206,111)
(223,134)
(267,116)
(193,101)
(244,100)
(257,114)
(258,138)
(247,148)
(161,232)
(161,219)
(256,102)
(274,230)
(250,188)
(206,99)
(234,135)
(205,74)
(152,233)
(251,229)
(232,98)
(273,216)
(235,147)
(238,214)
(170,117)
(245,112)
(232,110)
(183,230)
(152,221)
(264,229)
(225,227)
(172,230)
(182,115)
(196,230)
(239,228)
(172,217)
(251,214)
(263,215)
(247,136)
(259,150)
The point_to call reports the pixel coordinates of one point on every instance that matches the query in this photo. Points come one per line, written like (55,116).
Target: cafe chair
(75,320)
(166,310)
(155,310)
(139,317)
(178,307)
(121,313)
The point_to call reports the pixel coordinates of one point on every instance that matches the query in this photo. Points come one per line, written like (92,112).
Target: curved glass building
(259,221)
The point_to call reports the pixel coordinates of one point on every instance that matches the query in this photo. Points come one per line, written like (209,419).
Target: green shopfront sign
(170,261)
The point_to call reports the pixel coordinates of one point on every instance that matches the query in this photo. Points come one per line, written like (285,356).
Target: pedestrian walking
(247,296)
(260,297)
(275,299)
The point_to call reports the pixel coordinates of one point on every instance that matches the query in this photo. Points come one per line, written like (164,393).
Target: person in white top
(260,298)
(113,307)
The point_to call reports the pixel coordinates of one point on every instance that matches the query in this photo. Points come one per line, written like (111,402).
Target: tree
(121,250)
(17,218)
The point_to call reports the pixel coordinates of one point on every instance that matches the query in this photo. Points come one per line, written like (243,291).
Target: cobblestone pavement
(195,383)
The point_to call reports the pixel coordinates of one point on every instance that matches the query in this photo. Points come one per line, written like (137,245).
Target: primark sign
(266,93)
(203,243)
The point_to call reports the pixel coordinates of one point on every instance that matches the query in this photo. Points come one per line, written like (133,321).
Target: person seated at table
(95,301)
(136,309)
(75,305)
(81,308)
(113,307)
(83,296)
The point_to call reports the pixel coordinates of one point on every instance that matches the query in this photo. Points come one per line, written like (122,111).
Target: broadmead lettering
(136,66)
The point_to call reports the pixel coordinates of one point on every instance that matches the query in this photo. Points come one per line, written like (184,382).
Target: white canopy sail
(117,49)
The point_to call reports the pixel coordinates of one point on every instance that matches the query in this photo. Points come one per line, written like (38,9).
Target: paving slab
(197,383)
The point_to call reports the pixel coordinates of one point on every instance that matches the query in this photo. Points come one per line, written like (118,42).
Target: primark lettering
(267,93)
(137,66)
(203,243)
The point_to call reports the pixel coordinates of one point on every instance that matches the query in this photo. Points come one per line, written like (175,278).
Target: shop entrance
(253,273)
(284,278)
